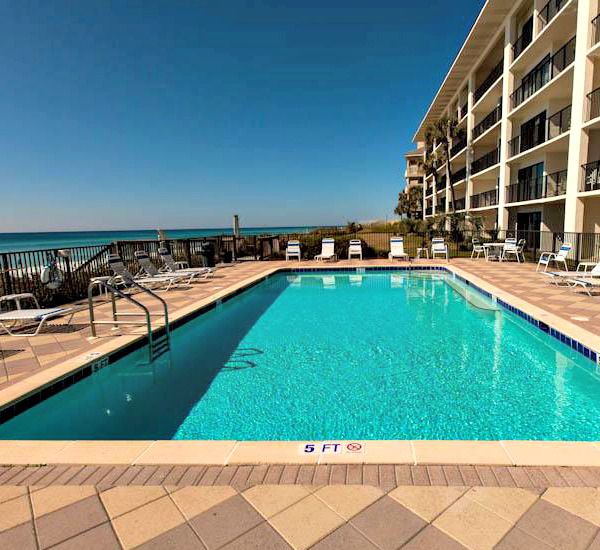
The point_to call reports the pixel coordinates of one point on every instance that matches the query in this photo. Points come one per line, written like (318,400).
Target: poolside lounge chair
(559,257)
(355,249)
(588,283)
(293,250)
(583,271)
(478,248)
(23,317)
(171,266)
(327,251)
(122,276)
(397,249)
(515,250)
(439,247)
(148,269)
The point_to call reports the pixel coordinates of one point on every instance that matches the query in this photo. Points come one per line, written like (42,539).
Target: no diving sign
(332,447)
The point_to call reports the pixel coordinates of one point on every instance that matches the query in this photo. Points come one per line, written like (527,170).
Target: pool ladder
(158,344)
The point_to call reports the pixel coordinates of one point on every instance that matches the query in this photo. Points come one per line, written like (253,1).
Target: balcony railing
(596,30)
(494,75)
(459,175)
(489,120)
(593,104)
(487,198)
(544,73)
(462,111)
(441,207)
(486,161)
(591,176)
(460,204)
(429,190)
(557,124)
(522,41)
(429,211)
(458,146)
(551,185)
(441,185)
(549,11)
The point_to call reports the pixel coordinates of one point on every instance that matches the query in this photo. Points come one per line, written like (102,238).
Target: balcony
(494,75)
(591,176)
(441,207)
(457,147)
(429,190)
(593,104)
(487,198)
(459,175)
(549,12)
(544,73)
(486,161)
(596,30)
(462,111)
(489,120)
(543,187)
(557,124)
(460,204)
(522,42)
(429,211)
(441,185)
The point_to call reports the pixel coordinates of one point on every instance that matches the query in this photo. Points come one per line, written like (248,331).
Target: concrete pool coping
(513,453)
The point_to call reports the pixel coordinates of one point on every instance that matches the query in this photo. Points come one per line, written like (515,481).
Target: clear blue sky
(119,115)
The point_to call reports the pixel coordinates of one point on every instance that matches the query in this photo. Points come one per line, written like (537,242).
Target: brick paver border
(385,476)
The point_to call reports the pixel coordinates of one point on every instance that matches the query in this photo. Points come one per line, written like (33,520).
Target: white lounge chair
(122,276)
(20,317)
(559,257)
(514,249)
(397,249)
(327,251)
(171,266)
(355,249)
(478,248)
(584,270)
(148,269)
(293,250)
(439,247)
(589,282)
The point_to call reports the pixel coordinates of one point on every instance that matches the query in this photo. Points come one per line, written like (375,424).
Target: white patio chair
(559,257)
(171,266)
(19,317)
(293,250)
(148,269)
(478,248)
(515,250)
(439,247)
(397,249)
(327,251)
(355,249)
(585,270)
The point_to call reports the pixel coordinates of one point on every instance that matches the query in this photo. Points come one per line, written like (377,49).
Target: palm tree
(444,132)
(410,202)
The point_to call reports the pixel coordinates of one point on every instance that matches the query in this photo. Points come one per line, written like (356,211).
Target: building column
(470,124)
(582,76)
(505,125)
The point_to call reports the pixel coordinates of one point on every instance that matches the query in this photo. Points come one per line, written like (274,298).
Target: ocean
(21,242)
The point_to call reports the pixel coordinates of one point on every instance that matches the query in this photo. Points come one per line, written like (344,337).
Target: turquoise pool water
(381,355)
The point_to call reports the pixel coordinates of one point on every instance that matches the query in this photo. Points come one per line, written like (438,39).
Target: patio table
(493,250)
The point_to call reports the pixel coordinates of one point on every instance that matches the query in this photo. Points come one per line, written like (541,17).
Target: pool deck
(276,507)
(28,364)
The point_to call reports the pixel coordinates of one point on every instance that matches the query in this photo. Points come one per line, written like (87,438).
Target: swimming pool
(337,355)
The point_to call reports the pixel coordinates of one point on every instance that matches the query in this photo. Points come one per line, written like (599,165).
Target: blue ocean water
(381,355)
(17,242)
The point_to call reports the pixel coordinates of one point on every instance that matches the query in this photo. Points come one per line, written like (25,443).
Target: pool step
(160,345)
(471,296)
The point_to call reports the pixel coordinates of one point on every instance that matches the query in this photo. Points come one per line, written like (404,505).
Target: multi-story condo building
(525,88)
(414,174)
